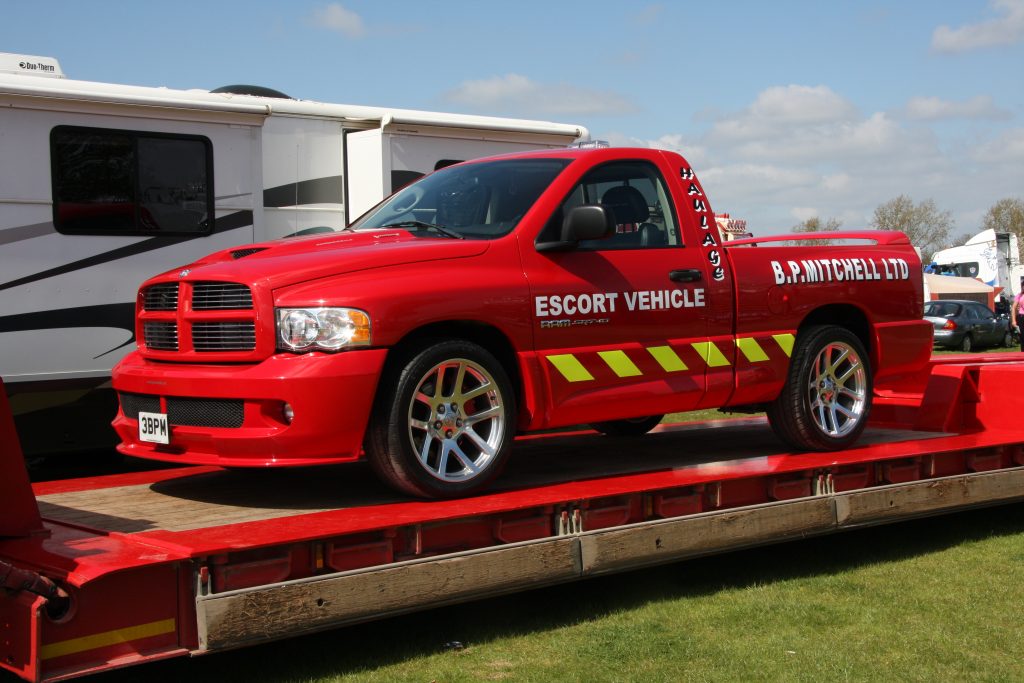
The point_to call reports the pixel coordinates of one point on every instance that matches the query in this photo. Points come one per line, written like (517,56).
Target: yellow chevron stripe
(620,363)
(667,358)
(751,349)
(785,342)
(106,639)
(710,353)
(570,367)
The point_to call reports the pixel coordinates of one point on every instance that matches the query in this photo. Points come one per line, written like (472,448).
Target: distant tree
(928,228)
(815,224)
(1006,215)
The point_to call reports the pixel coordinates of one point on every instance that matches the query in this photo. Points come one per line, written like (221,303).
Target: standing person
(1017,314)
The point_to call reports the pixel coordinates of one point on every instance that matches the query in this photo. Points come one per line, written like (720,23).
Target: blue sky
(786,109)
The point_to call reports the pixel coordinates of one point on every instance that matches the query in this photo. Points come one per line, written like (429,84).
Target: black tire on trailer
(444,428)
(636,426)
(825,402)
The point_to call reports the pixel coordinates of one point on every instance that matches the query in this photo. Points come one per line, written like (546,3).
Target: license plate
(153,428)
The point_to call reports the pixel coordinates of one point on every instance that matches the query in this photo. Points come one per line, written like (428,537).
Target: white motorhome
(104,185)
(991,257)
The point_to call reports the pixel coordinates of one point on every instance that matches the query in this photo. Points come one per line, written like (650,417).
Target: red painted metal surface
(20,514)
(132,591)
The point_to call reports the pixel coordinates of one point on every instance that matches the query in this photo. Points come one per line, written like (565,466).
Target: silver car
(967,325)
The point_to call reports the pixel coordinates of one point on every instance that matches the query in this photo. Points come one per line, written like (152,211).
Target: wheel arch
(847,316)
(483,334)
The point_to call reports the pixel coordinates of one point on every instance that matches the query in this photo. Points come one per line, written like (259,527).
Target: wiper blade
(420,225)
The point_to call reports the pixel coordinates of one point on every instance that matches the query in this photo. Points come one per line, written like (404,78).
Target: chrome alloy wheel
(456,420)
(837,389)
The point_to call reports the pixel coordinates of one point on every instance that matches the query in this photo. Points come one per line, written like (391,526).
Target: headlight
(321,329)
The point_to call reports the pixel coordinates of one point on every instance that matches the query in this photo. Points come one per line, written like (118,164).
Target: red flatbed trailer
(194,560)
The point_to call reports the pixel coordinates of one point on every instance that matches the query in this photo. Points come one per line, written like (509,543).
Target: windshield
(474,201)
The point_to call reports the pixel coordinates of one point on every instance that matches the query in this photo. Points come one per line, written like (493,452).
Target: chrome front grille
(162,297)
(214,320)
(161,335)
(220,296)
(224,336)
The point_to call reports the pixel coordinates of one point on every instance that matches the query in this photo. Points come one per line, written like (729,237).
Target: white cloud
(775,164)
(334,17)
(801,104)
(516,94)
(1006,148)
(836,182)
(779,108)
(934,109)
(1005,30)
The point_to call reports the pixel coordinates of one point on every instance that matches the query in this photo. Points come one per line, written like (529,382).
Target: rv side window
(120,182)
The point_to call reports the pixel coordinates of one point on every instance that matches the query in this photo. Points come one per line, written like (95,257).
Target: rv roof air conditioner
(254,90)
(30,65)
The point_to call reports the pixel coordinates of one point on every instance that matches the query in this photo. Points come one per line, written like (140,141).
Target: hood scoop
(249,251)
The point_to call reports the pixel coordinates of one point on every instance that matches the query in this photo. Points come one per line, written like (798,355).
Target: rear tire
(443,422)
(825,403)
(966,344)
(636,426)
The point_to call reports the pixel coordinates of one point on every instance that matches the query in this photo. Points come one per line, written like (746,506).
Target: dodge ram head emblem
(184,272)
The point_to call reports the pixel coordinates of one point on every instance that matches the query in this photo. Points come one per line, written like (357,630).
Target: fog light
(289,413)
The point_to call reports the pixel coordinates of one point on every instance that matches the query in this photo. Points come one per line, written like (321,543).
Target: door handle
(685,275)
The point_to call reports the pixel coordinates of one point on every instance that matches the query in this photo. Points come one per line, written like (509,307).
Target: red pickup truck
(508,295)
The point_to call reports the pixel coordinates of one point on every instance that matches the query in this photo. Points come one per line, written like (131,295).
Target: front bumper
(331,396)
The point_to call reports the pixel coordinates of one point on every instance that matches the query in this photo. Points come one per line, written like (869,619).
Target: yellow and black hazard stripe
(692,357)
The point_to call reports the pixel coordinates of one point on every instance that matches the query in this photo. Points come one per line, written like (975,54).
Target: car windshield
(941,309)
(472,201)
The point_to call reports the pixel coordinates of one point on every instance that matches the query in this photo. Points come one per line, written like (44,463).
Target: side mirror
(588,222)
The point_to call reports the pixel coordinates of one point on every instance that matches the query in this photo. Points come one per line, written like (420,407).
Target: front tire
(636,426)
(825,402)
(447,428)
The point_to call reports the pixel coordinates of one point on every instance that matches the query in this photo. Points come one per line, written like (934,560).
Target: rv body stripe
(240,219)
(25,232)
(327,190)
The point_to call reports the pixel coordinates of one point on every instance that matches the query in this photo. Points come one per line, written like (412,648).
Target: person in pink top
(1017,313)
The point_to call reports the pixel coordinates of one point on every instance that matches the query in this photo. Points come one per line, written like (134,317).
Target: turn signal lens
(950,325)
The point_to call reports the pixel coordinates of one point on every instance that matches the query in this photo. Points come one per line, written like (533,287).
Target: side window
(114,182)
(635,194)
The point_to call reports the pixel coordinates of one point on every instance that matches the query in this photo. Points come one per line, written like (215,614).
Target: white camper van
(991,257)
(104,185)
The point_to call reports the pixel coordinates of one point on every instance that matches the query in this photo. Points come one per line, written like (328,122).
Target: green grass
(930,600)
